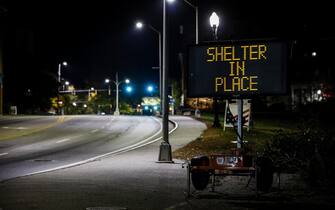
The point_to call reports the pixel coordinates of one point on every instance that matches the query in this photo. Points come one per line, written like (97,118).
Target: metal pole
(160,68)
(58,96)
(117,112)
(239,123)
(196,25)
(165,84)
(165,148)
(216,122)
(197,42)
(59,72)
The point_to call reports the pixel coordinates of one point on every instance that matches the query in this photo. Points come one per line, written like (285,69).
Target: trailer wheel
(200,179)
(264,173)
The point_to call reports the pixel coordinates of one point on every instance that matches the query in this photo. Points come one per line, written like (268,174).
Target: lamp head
(214,20)
(139,25)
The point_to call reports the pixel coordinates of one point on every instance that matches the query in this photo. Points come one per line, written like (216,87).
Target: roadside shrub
(311,150)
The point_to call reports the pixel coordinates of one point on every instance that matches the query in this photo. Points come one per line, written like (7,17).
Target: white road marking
(21,128)
(3,154)
(96,130)
(119,151)
(62,140)
(15,128)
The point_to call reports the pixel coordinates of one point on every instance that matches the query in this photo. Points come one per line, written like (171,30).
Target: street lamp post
(165,154)
(117,83)
(139,25)
(109,87)
(214,23)
(60,70)
(64,63)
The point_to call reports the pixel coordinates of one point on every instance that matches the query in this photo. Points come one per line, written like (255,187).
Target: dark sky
(97,38)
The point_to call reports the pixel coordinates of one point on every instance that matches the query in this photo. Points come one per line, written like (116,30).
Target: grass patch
(216,140)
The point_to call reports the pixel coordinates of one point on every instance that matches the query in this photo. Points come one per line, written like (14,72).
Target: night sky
(98,38)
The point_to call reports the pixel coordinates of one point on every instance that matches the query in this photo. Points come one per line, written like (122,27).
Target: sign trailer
(241,70)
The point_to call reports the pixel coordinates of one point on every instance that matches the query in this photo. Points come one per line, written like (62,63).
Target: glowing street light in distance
(139,25)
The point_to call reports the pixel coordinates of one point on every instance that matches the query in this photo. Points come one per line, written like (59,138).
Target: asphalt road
(128,180)
(51,142)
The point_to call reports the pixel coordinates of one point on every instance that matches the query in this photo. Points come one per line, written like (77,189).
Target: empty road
(30,145)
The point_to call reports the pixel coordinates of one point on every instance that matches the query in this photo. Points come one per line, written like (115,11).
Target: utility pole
(117,112)
(165,154)
(214,21)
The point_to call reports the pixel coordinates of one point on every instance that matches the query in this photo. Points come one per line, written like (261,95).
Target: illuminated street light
(214,22)
(64,63)
(117,83)
(74,104)
(139,25)
(92,88)
(107,81)
(66,83)
(314,54)
(319,92)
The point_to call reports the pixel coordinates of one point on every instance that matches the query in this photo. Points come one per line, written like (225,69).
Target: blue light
(129,89)
(155,107)
(150,88)
(146,108)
